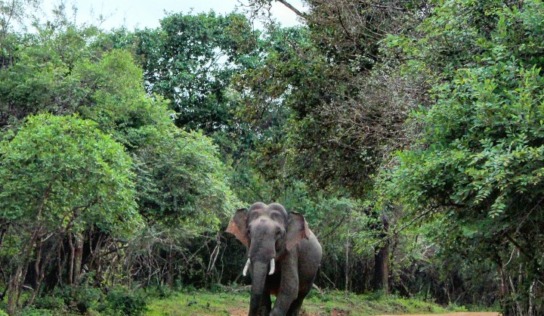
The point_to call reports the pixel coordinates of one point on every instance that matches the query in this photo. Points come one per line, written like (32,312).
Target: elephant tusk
(248,262)
(272,267)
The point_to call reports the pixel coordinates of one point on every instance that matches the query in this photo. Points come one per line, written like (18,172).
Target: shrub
(49,302)
(30,311)
(78,298)
(122,301)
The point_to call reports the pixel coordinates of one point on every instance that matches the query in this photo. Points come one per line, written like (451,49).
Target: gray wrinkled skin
(273,235)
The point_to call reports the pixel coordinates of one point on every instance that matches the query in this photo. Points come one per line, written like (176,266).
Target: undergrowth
(236,302)
(220,301)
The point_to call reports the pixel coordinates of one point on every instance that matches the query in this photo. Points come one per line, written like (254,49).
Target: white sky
(147,13)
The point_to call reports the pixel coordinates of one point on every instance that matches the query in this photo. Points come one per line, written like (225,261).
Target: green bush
(159,292)
(78,298)
(49,302)
(31,311)
(122,301)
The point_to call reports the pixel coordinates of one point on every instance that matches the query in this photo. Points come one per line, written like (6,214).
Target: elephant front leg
(285,298)
(288,290)
(266,305)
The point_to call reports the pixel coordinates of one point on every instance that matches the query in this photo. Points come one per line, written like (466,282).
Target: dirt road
(452,314)
(243,312)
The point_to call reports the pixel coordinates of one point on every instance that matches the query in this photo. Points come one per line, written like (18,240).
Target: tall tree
(182,186)
(347,104)
(15,12)
(60,176)
(477,165)
(190,60)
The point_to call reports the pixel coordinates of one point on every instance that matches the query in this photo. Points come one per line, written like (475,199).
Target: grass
(235,302)
(197,303)
(331,303)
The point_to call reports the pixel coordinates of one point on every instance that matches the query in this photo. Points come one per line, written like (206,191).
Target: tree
(476,167)
(15,11)
(190,60)
(63,69)
(41,78)
(59,177)
(348,101)
(346,98)
(12,13)
(184,195)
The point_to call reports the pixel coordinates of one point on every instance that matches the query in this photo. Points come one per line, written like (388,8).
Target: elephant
(284,256)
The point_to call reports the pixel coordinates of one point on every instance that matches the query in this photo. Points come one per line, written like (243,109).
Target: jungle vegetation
(410,134)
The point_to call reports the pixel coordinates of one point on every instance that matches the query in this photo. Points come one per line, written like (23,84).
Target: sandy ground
(452,314)
(243,312)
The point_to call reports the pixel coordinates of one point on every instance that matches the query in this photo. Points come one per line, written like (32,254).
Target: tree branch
(292,8)
(519,247)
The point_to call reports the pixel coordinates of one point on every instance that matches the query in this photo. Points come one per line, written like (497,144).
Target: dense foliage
(102,186)
(409,134)
(476,169)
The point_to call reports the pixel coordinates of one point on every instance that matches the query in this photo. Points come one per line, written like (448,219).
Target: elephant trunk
(258,275)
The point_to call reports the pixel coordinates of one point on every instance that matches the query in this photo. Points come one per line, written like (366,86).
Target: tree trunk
(71,260)
(381,260)
(37,273)
(60,261)
(2,234)
(170,273)
(13,290)
(17,279)
(40,270)
(346,272)
(78,257)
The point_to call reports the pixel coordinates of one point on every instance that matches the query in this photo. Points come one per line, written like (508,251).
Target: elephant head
(268,232)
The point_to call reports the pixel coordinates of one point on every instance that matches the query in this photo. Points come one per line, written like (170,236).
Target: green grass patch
(235,302)
(205,303)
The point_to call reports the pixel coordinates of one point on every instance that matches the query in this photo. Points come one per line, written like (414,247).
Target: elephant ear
(238,226)
(297,229)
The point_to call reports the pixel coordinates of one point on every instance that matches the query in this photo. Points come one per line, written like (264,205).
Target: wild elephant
(283,257)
